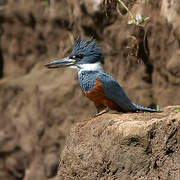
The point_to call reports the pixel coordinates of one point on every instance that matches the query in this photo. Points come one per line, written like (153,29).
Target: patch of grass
(138,41)
(45,2)
(138,19)
(114,5)
(176,110)
(157,107)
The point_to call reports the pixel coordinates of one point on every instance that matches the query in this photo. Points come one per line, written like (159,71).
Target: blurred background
(39,106)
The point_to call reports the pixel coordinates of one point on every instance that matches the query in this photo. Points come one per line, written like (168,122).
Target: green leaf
(177,110)
(139,19)
(131,22)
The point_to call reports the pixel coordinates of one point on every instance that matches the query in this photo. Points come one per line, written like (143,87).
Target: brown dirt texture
(127,146)
(39,106)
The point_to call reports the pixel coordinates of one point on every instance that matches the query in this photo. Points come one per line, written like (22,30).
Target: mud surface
(130,146)
(39,106)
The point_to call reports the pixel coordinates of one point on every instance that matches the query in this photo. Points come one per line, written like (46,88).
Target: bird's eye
(78,56)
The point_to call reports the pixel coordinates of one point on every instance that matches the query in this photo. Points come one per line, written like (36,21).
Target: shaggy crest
(88,49)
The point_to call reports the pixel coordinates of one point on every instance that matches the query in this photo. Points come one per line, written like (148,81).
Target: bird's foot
(102,112)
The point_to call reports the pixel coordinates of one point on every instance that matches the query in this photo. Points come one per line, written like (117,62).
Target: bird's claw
(102,112)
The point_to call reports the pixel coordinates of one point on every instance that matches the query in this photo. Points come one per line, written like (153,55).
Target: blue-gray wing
(114,92)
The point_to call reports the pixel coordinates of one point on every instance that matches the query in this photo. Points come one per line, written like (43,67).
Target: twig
(122,3)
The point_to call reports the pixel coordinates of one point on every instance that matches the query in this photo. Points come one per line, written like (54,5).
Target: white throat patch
(90,67)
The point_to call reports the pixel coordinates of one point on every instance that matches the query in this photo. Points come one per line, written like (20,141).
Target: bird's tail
(145,109)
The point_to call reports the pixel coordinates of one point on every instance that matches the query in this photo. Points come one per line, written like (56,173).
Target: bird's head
(85,53)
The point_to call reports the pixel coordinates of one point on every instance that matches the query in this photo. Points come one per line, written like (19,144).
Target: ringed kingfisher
(98,86)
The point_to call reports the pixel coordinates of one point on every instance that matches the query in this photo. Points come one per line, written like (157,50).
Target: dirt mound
(39,106)
(130,146)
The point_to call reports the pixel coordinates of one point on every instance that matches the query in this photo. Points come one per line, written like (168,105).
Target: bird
(101,88)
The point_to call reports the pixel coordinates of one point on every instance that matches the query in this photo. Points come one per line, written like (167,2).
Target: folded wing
(114,92)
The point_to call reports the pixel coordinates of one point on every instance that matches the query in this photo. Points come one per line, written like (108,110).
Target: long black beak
(61,63)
